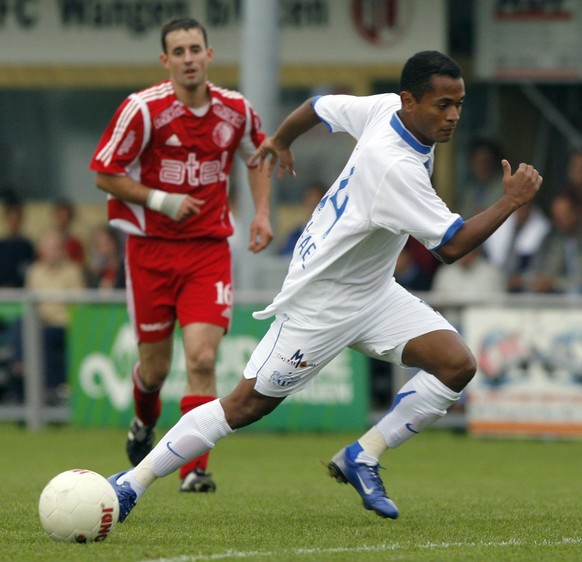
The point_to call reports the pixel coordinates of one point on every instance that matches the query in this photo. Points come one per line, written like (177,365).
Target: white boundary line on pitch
(236,554)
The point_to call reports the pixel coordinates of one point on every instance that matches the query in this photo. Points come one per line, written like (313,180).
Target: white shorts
(294,350)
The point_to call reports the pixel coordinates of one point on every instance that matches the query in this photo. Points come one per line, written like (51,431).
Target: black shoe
(198,481)
(140,441)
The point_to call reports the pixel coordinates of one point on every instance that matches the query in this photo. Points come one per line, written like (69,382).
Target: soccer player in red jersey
(164,161)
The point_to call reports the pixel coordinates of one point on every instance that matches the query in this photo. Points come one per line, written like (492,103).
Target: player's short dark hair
(181,23)
(418,71)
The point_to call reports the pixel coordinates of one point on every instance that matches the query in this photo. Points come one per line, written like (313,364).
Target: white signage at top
(120,32)
(529,40)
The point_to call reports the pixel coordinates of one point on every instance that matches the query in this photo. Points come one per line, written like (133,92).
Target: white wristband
(156,199)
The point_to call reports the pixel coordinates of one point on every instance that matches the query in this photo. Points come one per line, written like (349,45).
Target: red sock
(148,405)
(186,404)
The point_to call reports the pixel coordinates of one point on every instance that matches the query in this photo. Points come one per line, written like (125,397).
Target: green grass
(461,499)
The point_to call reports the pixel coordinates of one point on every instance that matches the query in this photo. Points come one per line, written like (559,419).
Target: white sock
(418,404)
(195,433)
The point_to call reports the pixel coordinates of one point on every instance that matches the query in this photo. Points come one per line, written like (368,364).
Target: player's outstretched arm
(276,148)
(261,232)
(520,188)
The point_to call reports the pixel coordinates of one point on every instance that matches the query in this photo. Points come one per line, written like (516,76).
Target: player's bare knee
(154,376)
(202,364)
(461,371)
(240,413)
(244,406)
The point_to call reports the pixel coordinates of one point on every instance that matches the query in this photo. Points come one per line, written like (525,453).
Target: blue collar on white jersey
(407,136)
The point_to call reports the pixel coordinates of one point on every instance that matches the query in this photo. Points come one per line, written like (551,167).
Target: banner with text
(529,379)
(103,351)
(529,40)
(121,32)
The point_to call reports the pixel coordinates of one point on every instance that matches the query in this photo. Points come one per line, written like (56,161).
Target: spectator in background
(63,217)
(312,195)
(415,270)
(574,175)
(16,254)
(52,270)
(16,250)
(105,260)
(415,267)
(513,247)
(558,266)
(485,185)
(470,277)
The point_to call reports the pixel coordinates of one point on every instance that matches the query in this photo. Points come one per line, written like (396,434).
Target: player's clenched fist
(177,206)
(523,184)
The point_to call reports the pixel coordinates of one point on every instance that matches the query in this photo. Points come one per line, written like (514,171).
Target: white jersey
(347,253)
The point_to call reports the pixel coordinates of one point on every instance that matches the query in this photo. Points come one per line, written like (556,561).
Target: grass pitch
(461,499)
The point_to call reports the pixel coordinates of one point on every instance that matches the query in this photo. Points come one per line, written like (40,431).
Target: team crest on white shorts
(283,380)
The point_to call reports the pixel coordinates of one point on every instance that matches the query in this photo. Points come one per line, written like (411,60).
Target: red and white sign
(103,32)
(529,378)
(382,22)
(529,40)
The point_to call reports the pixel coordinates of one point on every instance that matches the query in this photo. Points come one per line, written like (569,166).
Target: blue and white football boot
(125,494)
(364,478)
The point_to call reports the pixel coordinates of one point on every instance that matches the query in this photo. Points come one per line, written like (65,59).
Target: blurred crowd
(538,250)
(60,261)
(535,251)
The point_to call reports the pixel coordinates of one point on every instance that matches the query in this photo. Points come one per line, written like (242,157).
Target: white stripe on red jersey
(158,141)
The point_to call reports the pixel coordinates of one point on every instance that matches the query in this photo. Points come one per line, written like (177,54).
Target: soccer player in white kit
(340,291)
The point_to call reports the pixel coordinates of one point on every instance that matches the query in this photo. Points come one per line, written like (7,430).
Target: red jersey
(158,141)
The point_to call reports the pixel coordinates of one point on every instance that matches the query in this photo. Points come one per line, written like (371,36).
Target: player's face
(187,58)
(435,116)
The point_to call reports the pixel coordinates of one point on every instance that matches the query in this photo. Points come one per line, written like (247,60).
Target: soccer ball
(78,506)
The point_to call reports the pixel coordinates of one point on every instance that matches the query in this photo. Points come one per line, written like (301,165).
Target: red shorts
(188,280)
